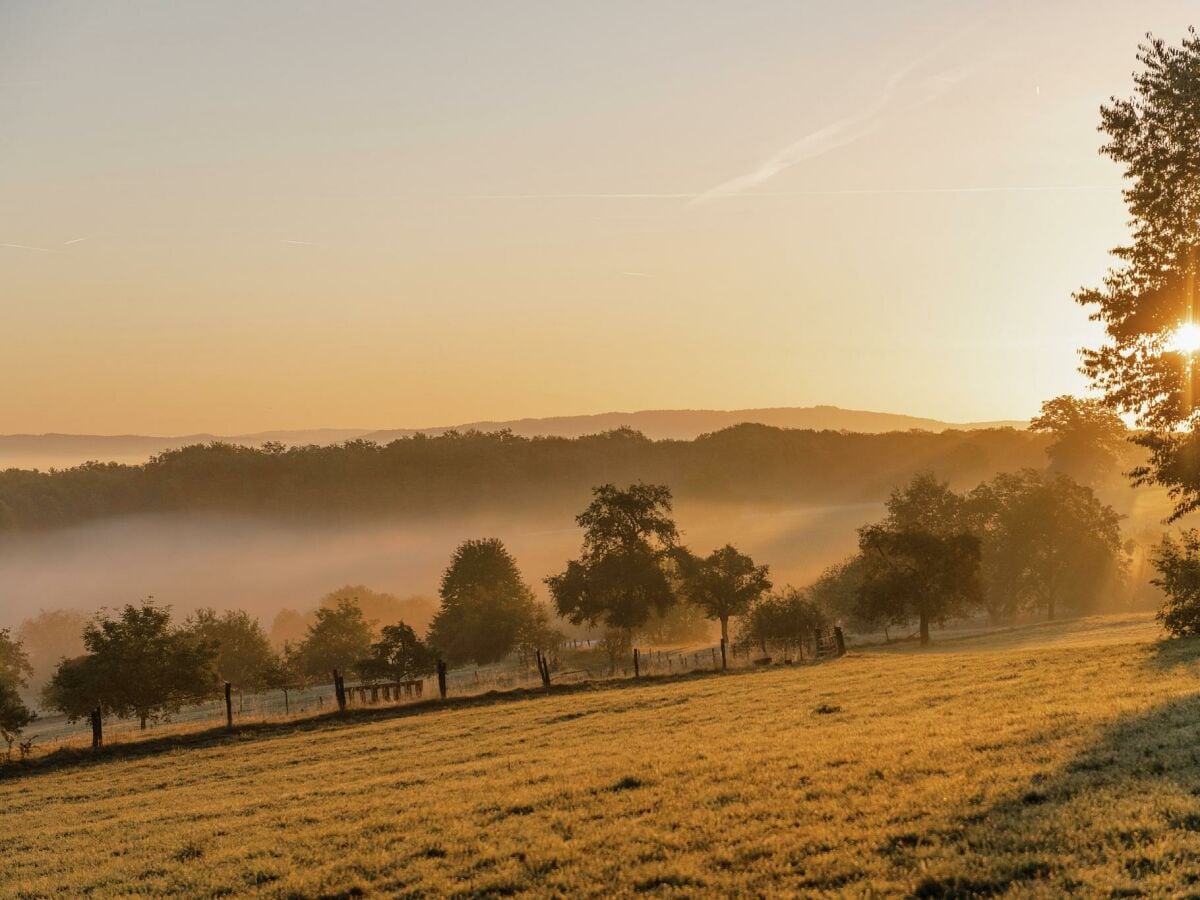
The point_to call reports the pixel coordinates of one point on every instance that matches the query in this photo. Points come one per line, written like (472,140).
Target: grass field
(1035,762)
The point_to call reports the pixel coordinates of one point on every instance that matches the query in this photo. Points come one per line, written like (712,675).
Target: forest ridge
(477,471)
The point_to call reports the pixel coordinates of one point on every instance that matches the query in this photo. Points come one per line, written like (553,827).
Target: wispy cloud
(845,130)
(27,247)
(74,241)
(638,274)
(300,243)
(896,97)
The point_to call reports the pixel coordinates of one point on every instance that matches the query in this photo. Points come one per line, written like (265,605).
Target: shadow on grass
(1105,809)
(1174,653)
(1006,637)
(67,757)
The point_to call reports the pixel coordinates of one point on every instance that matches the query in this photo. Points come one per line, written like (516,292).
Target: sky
(231,217)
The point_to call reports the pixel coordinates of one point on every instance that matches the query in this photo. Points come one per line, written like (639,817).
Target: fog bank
(226,561)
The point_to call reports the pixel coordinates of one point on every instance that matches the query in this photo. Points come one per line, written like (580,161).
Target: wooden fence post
(724,661)
(714,656)
(637,672)
(228,705)
(840,638)
(339,691)
(441,674)
(97,728)
(543,665)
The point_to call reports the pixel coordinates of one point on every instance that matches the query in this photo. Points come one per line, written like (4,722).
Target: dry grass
(1039,761)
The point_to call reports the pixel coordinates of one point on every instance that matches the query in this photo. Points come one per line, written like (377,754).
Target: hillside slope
(1046,760)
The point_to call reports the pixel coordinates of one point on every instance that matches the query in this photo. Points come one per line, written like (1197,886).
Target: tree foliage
(1150,293)
(14,672)
(398,655)
(788,619)
(339,638)
(243,653)
(50,637)
(487,608)
(921,562)
(1048,543)
(622,575)
(724,584)
(1178,565)
(137,665)
(1088,438)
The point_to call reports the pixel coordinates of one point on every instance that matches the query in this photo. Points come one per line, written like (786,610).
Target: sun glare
(1185,338)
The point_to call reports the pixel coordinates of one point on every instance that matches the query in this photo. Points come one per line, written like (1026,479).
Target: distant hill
(688,424)
(44,451)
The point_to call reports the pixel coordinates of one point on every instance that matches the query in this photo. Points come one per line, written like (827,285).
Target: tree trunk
(725,629)
(143,720)
(924,629)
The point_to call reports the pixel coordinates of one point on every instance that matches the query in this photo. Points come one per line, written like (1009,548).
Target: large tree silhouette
(1148,365)
(624,572)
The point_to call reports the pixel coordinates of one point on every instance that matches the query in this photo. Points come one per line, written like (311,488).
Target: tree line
(459,473)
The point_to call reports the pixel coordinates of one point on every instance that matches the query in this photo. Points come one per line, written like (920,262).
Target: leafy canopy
(14,670)
(243,652)
(723,584)
(1088,437)
(1178,565)
(487,608)
(1150,293)
(621,576)
(137,665)
(921,562)
(398,655)
(339,638)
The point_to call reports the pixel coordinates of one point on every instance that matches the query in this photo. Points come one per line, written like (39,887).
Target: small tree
(625,571)
(339,638)
(536,632)
(788,619)
(281,673)
(137,666)
(1178,565)
(50,637)
(486,605)
(921,562)
(398,655)
(243,651)
(14,670)
(725,583)
(837,592)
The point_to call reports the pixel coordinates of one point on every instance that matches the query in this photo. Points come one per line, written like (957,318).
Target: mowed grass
(1039,761)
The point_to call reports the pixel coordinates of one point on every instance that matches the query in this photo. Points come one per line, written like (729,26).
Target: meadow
(1035,761)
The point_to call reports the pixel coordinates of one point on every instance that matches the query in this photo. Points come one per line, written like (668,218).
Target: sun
(1185,338)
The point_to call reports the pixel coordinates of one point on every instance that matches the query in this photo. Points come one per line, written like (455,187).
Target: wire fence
(571,662)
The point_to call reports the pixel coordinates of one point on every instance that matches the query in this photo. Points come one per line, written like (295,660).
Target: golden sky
(232,217)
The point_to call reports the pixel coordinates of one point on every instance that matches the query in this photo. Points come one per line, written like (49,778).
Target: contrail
(73,241)
(834,192)
(849,128)
(26,247)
